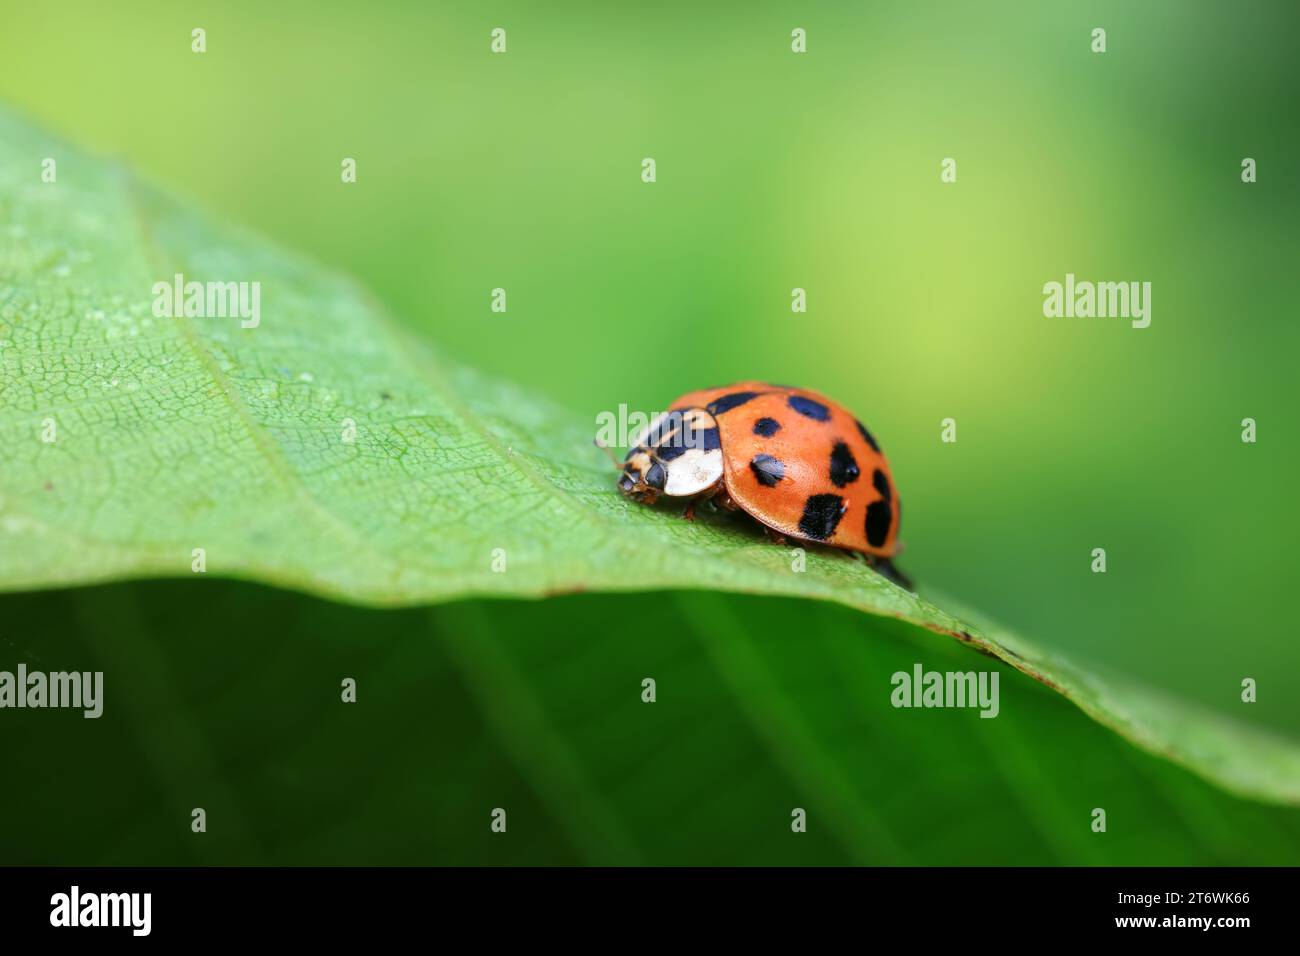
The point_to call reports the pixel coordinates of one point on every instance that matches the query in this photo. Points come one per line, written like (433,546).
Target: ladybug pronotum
(793,460)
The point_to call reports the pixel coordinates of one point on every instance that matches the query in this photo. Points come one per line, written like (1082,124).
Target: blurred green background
(775,170)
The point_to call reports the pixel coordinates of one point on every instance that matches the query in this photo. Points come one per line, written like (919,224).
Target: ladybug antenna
(605,448)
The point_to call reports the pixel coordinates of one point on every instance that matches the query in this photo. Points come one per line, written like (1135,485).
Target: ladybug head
(642,479)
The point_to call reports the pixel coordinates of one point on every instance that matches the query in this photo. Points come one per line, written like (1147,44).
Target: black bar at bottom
(367,904)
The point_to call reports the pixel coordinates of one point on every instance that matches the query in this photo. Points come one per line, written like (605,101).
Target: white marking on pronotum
(695,469)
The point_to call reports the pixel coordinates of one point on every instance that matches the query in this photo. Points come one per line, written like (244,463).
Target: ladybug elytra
(798,463)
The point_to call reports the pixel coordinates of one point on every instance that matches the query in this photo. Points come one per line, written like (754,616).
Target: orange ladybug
(793,460)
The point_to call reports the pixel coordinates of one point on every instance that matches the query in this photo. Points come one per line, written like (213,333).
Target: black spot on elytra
(766,427)
(767,470)
(844,468)
(808,408)
(866,436)
(655,476)
(821,513)
(878,517)
(882,484)
(727,402)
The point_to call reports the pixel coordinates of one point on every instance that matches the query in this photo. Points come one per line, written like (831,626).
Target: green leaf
(133,440)
(531,706)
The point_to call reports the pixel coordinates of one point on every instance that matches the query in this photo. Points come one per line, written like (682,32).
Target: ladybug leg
(775,537)
(722,500)
(889,570)
(716,497)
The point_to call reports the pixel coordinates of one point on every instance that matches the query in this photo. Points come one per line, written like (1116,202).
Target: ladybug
(798,463)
